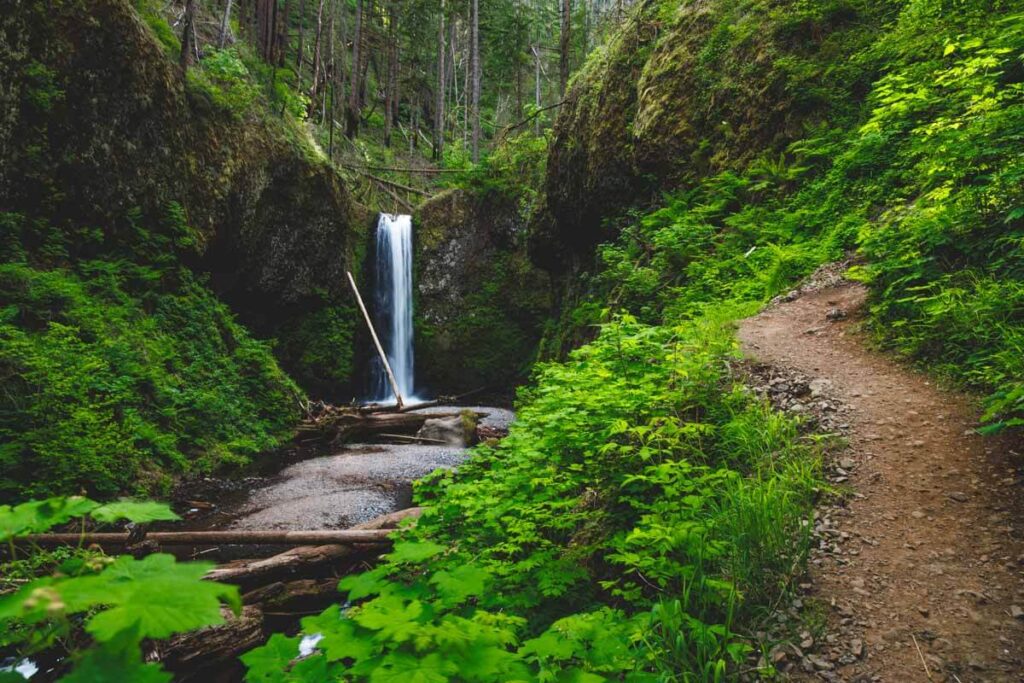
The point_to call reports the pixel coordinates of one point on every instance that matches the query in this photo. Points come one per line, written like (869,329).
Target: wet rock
(453,431)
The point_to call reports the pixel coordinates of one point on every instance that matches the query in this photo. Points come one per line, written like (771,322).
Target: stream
(356,483)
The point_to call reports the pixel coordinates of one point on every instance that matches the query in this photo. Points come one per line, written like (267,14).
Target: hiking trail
(921,567)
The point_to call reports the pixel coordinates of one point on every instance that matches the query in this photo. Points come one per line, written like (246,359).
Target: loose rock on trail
(921,568)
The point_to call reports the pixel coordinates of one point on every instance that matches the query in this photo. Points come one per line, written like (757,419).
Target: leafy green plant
(118,601)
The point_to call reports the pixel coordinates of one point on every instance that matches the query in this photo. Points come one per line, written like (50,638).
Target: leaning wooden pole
(376,342)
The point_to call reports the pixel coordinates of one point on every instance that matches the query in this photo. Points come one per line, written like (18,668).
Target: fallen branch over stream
(249,573)
(329,536)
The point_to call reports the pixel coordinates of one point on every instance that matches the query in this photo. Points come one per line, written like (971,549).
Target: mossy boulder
(687,89)
(481,304)
(97,123)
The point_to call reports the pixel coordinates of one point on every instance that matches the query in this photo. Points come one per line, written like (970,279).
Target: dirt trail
(929,546)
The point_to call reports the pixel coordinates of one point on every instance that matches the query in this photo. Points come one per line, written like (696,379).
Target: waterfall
(393,306)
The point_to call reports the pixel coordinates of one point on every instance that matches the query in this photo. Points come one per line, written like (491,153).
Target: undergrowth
(124,367)
(641,505)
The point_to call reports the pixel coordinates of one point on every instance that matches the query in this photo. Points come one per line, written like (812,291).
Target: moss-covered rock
(134,202)
(97,122)
(481,304)
(685,89)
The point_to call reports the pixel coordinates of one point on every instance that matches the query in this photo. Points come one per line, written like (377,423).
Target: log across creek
(276,590)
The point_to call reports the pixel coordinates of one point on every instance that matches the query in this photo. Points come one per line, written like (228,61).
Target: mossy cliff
(481,304)
(689,89)
(131,196)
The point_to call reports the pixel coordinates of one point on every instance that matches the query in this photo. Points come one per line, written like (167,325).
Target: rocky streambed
(352,485)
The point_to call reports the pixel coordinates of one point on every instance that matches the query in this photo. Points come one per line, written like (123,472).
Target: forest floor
(919,567)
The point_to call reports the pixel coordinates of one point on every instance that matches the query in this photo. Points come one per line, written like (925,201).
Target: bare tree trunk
(301,47)
(564,44)
(439,104)
(354,105)
(536,87)
(475,65)
(225,26)
(388,75)
(188,46)
(314,89)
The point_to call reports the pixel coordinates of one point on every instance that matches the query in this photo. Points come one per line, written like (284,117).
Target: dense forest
(749,273)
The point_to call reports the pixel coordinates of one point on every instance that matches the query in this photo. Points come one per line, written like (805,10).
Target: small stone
(959,496)
(835,314)
(924,611)
(847,464)
(857,647)
(917,514)
(1016,612)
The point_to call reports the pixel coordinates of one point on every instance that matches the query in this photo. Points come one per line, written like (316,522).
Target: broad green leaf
(156,596)
(399,667)
(118,660)
(135,511)
(414,551)
(391,617)
(269,662)
(340,638)
(38,516)
(359,586)
(460,583)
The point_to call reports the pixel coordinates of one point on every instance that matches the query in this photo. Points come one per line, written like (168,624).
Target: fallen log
(249,573)
(189,654)
(292,596)
(334,537)
(346,426)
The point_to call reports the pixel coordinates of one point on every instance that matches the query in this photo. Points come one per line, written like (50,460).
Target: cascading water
(393,307)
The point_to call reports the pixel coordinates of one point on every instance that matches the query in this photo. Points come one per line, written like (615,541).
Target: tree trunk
(188,47)
(314,89)
(389,75)
(301,47)
(475,58)
(536,87)
(439,104)
(564,45)
(352,112)
(225,26)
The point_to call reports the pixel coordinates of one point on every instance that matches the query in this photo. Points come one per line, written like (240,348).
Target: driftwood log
(327,536)
(192,655)
(303,559)
(342,425)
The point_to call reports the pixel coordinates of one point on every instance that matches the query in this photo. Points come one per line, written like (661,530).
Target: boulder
(458,430)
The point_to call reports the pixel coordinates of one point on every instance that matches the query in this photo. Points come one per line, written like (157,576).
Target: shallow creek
(336,491)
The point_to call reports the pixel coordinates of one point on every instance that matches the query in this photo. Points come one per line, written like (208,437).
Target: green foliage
(118,370)
(926,183)
(223,78)
(633,471)
(514,169)
(122,600)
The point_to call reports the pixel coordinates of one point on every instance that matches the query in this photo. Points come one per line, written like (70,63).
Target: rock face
(100,130)
(480,302)
(689,92)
